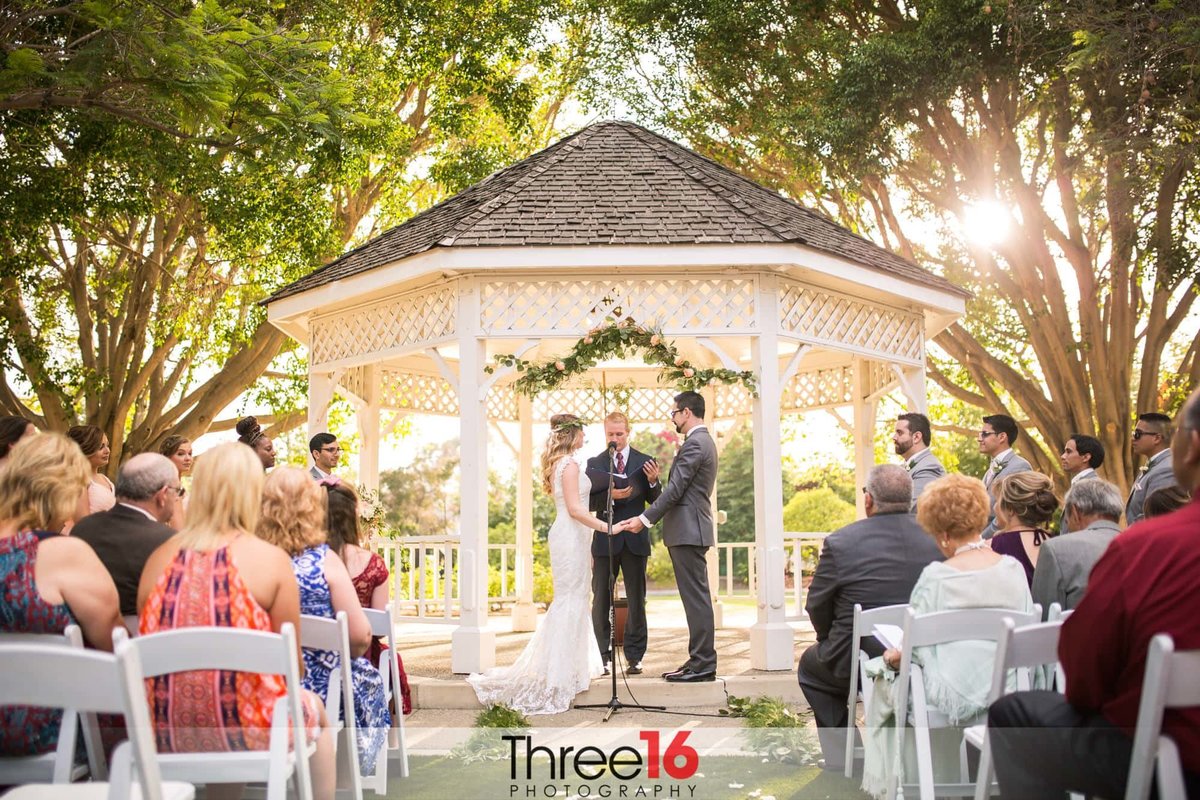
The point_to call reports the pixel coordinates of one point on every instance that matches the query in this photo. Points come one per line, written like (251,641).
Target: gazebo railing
(425,569)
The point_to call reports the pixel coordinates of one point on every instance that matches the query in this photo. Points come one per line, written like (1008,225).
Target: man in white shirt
(1081,457)
(996,438)
(1151,440)
(911,438)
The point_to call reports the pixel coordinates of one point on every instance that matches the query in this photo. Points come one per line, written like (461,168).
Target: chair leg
(983,781)
(924,762)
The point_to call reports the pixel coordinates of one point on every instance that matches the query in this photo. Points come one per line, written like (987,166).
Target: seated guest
(93,442)
(1025,504)
(13,430)
(1044,744)
(1092,509)
(250,433)
(874,562)
(325,452)
(953,510)
(367,570)
(179,450)
(1164,501)
(125,535)
(1152,441)
(293,518)
(217,572)
(996,438)
(50,581)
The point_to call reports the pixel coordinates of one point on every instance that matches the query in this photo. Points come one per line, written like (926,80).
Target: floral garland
(617,340)
(370,513)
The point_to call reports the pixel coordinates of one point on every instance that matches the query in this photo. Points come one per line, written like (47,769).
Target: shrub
(659,568)
(817,510)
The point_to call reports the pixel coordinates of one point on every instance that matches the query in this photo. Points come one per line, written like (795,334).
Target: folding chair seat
(238,650)
(83,681)
(58,766)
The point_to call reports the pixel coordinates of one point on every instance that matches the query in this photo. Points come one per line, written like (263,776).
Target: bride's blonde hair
(561,442)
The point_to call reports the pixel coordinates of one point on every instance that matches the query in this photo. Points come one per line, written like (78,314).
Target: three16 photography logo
(589,771)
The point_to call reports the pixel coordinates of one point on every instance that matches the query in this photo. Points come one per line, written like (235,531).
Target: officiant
(635,485)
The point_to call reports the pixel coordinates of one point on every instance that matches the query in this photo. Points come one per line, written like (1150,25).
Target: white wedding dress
(562,657)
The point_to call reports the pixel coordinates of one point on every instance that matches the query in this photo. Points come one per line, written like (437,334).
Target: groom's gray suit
(685,508)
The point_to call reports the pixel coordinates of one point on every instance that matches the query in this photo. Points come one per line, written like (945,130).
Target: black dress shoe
(687,676)
(675,671)
(635,669)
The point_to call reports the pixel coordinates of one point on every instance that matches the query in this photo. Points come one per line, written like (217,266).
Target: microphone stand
(614,704)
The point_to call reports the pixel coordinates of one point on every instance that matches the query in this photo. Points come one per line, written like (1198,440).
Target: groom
(629,550)
(685,508)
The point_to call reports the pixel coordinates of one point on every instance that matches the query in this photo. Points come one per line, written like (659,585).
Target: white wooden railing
(425,586)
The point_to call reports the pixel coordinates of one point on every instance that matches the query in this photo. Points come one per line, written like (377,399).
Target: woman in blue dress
(293,518)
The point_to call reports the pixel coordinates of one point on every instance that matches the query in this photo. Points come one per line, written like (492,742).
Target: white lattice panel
(733,402)
(822,388)
(410,319)
(571,307)
(880,378)
(580,401)
(413,392)
(503,404)
(822,316)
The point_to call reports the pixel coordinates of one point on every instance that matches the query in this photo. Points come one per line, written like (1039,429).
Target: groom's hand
(633,524)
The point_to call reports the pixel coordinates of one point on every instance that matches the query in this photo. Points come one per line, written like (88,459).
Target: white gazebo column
(771,638)
(864,432)
(472,645)
(320,393)
(912,385)
(524,613)
(367,416)
(714,553)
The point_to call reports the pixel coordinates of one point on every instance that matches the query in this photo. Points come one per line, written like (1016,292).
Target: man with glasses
(685,508)
(125,535)
(1152,441)
(996,438)
(325,453)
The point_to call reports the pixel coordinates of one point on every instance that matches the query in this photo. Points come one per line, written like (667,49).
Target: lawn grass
(719,778)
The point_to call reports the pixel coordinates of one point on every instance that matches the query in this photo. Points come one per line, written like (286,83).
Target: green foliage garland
(617,340)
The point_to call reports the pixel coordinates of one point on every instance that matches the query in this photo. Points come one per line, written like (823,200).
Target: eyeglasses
(985,434)
(1139,433)
(178,490)
(675,411)
(333,449)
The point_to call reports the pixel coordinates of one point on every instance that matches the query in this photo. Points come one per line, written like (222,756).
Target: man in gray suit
(685,507)
(325,452)
(911,438)
(1092,511)
(1151,440)
(1082,455)
(996,438)
(874,562)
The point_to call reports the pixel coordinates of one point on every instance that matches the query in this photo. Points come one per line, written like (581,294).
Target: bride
(562,657)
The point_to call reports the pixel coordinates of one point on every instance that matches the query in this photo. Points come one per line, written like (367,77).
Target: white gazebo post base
(772,646)
(472,649)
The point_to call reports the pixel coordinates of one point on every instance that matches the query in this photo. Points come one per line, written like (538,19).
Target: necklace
(971,546)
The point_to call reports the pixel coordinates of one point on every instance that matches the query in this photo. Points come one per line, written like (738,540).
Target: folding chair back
(323,633)
(237,650)
(864,624)
(58,766)
(1172,680)
(89,681)
(383,624)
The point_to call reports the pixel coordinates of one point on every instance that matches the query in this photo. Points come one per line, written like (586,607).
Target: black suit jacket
(123,538)
(643,494)
(874,562)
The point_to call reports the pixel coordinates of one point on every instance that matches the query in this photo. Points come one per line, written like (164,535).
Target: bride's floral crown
(578,423)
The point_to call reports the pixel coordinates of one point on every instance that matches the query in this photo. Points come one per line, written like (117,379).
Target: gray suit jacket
(1159,475)
(874,562)
(1065,562)
(1012,466)
(685,506)
(315,473)
(925,470)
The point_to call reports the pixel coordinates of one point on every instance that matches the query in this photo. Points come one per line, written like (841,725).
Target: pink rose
(588,340)
(655,340)
(689,372)
(560,366)
(680,361)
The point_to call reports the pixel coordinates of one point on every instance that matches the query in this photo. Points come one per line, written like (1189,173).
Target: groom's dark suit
(629,551)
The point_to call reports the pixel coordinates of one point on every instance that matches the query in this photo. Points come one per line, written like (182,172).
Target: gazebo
(613,223)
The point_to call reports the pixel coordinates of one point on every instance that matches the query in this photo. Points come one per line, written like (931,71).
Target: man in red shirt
(1146,583)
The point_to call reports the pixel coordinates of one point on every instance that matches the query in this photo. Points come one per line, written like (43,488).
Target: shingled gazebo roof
(614,183)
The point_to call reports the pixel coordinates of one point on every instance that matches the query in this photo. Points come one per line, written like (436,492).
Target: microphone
(612,445)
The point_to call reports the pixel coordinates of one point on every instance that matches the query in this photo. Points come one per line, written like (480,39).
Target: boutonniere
(996,468)
(908,465)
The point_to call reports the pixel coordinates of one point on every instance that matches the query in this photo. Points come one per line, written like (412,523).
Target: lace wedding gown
(562,657)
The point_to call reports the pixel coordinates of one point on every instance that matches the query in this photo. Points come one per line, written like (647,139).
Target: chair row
(1024,646)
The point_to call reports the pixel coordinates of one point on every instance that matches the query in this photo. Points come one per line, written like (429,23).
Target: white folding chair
(92,682)
(58,766)
(1021,649)
(237,650)
(322,633)
(1171,680)
(864,624)
(383,624)
(1060,677)
(943,627)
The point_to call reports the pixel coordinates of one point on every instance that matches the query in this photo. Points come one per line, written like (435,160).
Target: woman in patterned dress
(367,570)
(293,518)
(49,581)
(217,572)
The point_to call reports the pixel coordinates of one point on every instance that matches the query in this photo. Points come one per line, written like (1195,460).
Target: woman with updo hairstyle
(250,433)
(13,430)
(958,675)
(1025,504)
(179,450)
(101,494)
(50,581)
